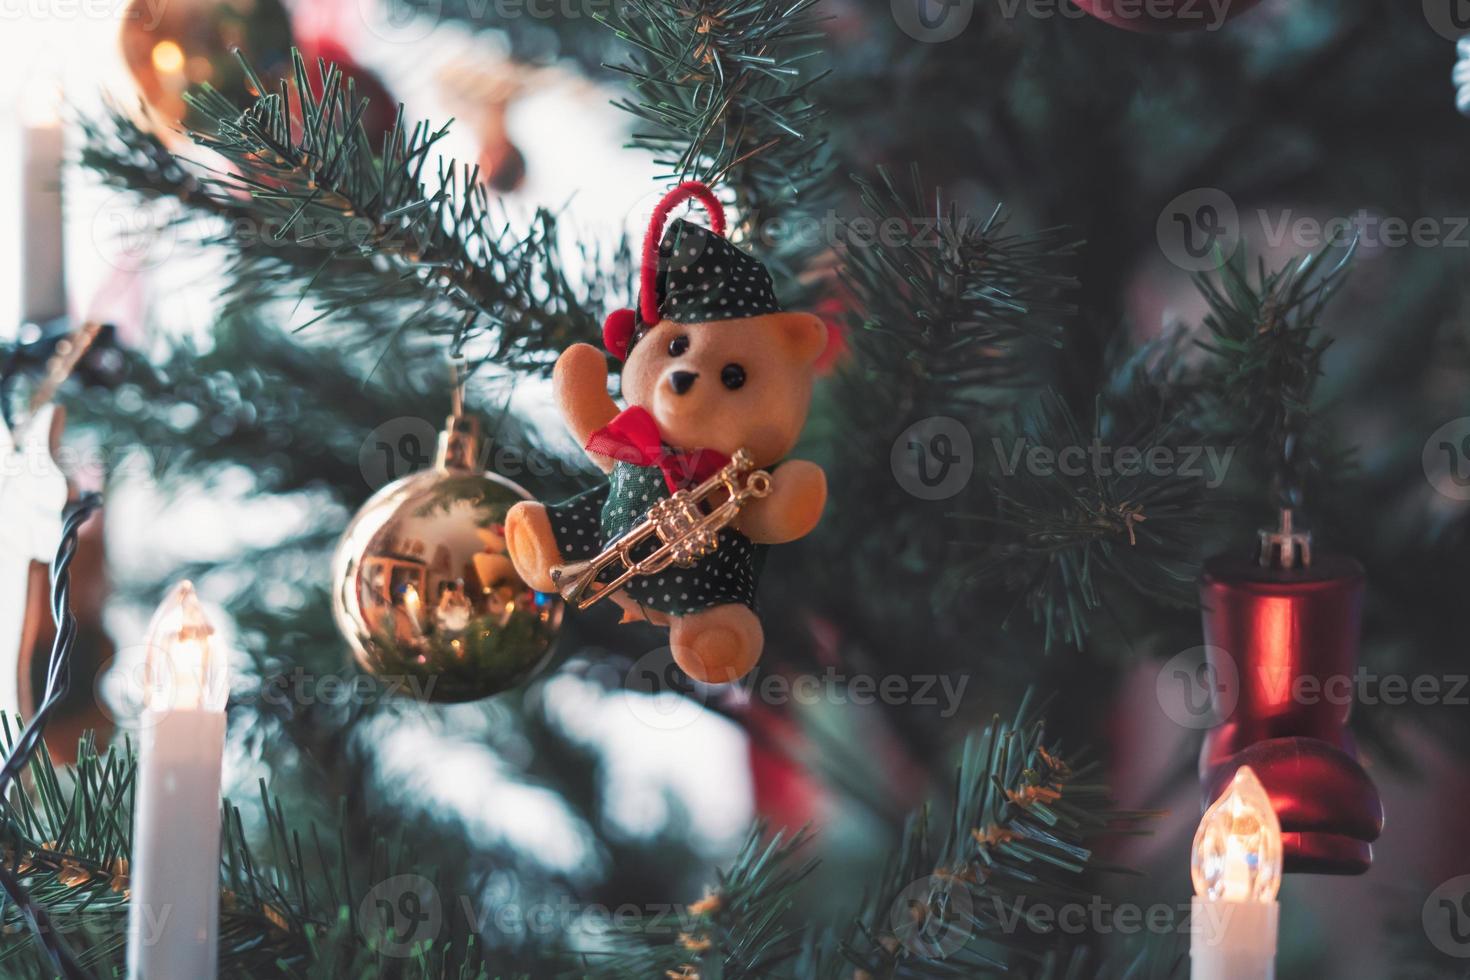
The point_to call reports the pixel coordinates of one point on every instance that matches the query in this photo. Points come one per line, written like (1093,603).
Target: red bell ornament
(1289,627)
(1158,16)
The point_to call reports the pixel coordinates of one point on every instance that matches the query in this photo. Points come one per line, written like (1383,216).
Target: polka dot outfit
(590,521)
(702,277)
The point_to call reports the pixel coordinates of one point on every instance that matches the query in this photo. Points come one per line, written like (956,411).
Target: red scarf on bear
(633,437)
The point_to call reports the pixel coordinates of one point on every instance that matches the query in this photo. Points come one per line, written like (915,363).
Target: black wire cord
(58,682)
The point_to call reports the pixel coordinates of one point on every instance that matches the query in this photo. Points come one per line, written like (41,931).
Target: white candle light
(43,264)
(174,913)
(1236,868)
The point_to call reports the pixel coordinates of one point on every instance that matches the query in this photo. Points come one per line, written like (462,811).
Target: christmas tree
(1112,316)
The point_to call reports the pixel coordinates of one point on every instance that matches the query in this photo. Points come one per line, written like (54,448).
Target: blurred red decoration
(833,312)
(480,94)
(1290,637)
(382,108)
(331,31)
(786,794)
(1156,16)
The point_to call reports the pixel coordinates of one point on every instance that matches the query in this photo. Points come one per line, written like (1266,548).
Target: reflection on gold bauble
(171,47)
(425,593)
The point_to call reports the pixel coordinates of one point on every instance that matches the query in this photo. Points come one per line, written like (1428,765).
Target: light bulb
(413,607)
(168,57)
(183,669)
(1237,849)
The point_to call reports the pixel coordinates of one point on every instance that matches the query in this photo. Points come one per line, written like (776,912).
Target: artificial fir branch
(1069,540)
(1267,343)
(311,211)
(291,904)
(944,299)
(954,898)
(204,408)
(567,29)
(68,841)
(741,929)
(300,903)
(946,309)
(1067,533)
(723,94)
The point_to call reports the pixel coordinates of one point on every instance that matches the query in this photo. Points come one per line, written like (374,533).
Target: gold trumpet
(684,530)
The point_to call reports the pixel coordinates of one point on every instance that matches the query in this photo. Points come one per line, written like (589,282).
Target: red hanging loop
(617,329)
(648,279)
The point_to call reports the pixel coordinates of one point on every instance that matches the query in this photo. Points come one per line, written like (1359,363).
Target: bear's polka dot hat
(690,274)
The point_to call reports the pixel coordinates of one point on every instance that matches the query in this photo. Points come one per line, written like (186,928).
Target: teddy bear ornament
(718,379)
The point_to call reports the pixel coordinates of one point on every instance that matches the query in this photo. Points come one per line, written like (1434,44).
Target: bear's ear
(805,335)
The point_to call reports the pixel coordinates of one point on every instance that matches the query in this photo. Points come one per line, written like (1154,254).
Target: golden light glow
(1237,849)
(168,57)
(183,669)
(413,611)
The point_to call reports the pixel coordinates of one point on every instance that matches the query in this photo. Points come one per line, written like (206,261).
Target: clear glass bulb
(1237,849)
(183,668)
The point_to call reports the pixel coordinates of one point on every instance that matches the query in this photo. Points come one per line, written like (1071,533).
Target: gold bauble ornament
(424,590)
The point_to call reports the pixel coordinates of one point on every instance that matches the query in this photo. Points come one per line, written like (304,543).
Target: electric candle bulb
(1237,849)
(173,916)
(183,670)
(42,141)
(1236,868)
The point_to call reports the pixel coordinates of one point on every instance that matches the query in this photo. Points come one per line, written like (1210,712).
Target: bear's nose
(682,381)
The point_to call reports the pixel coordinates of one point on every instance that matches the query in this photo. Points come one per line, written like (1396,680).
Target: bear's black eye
(678,345)
(732,376)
